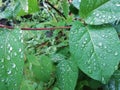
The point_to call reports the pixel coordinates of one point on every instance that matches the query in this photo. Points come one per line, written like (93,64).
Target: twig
(53,28)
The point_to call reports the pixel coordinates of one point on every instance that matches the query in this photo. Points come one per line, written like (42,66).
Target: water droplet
(2,80)
(20,50)
(84,42)
(20,31)
(103,16)
(8,45)
(117,4)
(8,57)
(2,66)
(15,84)
(21,40)
(1,46)
(83,46)
(15,39)
(13,65)
(103,80)
(103,35)
(86,39)
(9,72)
(104,64)
(10,48)
(116,53)
(97,14)
(100,44)
(2,60)
(116,67)
(90,71)
(105,47)
(109,50)
(103,20)
(15,53)
(109,17)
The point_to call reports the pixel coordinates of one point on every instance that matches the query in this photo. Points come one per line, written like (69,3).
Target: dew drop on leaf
(8,57)
(1,46)
(117,4)
(20,50)
(9,72)
(2,66)
(15,53)
(90,71)
(2,60)
(10,48)
(116,53)
(13,65)
(116,67)
(100,44)
(103,80)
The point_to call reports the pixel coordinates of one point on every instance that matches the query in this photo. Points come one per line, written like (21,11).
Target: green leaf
(11,11)
(67,74)
(27,85)
(11,59)
(114,83)
(43,70)
(98,12)
(76,3)
(31,7)
(24,5)
(33,59)
(94,48)
(65,6)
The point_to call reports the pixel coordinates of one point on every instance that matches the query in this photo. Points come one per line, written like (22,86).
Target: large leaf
(67,75)
(95,48)
(11,59)
(98,12)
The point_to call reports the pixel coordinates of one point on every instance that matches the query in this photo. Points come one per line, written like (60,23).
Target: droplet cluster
(11,58)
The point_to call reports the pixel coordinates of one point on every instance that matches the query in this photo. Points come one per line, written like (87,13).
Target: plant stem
(52,28)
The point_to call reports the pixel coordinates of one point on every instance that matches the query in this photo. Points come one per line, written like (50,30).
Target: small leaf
(27,85)
(114,83)
(96,50)
(33,59)
(43,71)
(65,6)
(31,6)
(67,75)
(76,3)
(11,59)
(97,12)
(24,5)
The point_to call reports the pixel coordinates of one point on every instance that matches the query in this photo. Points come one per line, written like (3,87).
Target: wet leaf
(76,3)
(67,75)
(24,5)
(11,59)
(96,12)
(96,50)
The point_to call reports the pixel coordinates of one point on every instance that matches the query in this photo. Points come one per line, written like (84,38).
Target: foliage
(83,58)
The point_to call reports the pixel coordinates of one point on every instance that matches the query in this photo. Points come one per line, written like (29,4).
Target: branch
(53,28)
